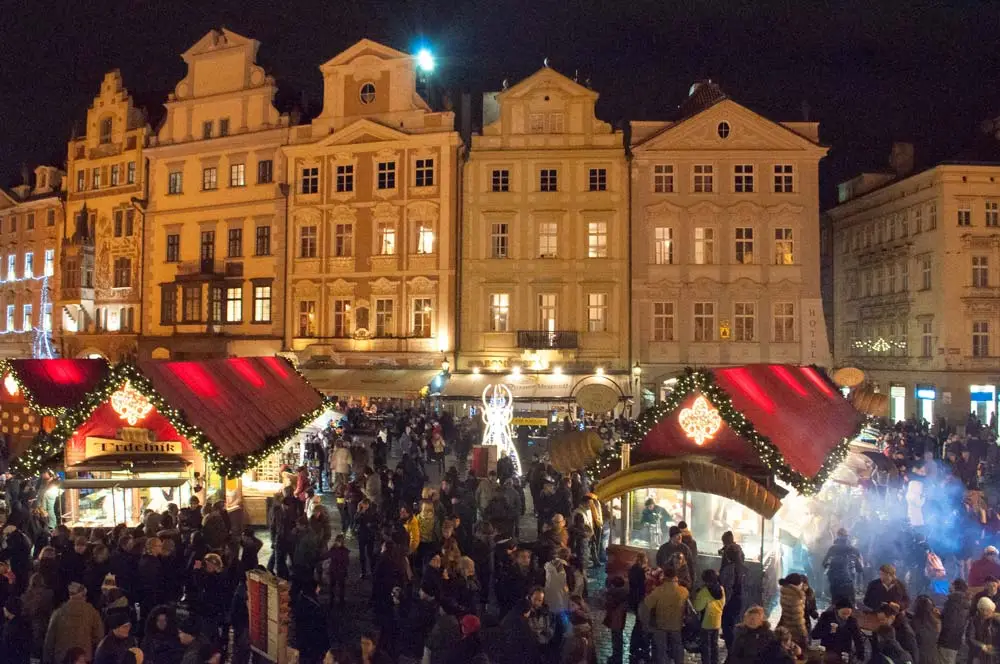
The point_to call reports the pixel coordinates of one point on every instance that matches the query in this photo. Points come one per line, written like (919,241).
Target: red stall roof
(239,402)
(797,408)
(60,383)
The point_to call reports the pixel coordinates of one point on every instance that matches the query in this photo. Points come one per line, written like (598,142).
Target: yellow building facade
(372,225)
(725,240)
(916,288)
(101,261)
(31,215)
(544,268)
(215,238)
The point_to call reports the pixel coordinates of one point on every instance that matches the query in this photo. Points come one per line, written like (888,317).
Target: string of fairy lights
(48,445)
(694,381)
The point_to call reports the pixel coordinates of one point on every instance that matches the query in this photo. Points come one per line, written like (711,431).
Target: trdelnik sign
(98,447)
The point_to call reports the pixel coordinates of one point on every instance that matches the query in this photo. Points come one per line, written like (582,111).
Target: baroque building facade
(31,215)
(916,288)
(725,240)
(544,284)
(373,217)
(101,262)
(215,241)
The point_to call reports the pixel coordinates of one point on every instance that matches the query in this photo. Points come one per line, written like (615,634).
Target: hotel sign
(98,447)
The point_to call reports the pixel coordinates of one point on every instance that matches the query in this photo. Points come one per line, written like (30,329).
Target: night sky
(871,71)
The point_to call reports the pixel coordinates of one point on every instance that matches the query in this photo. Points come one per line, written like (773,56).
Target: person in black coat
(160,644)
(16,551)
(954,617)
(149,577)
(419,616)
(15,636)
(887,589)
(311,637)
(837,630)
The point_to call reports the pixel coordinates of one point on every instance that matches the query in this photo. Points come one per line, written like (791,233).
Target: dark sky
(872,71)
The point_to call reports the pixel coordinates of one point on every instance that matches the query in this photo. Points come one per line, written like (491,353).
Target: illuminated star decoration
(130,404)
(498,413)
(701,421)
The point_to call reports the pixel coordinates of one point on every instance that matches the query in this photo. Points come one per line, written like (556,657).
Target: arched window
(106,126)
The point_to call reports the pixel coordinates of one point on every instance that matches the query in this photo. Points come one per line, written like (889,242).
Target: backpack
(934,569)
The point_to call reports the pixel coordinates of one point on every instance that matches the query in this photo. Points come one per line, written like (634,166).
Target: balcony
(544,339)
(981,293)
(207,266)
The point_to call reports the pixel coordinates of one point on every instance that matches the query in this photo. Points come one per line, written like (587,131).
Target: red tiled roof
(239,402)
(797,408)
(60,383)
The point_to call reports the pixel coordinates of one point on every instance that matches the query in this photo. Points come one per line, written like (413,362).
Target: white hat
(990,549)
(985,603)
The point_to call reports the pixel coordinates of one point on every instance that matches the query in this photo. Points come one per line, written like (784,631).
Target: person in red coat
(987,565)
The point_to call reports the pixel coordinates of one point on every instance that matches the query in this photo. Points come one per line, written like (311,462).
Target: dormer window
(367,93)
(106,126)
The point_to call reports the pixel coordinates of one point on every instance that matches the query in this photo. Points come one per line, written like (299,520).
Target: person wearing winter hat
(676,554)
(15,636)
(189,634)
(983,632)
(470,648)
(114,648)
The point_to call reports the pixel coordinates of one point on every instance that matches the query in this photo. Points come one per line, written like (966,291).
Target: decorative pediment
(364,131)
(703,287)
(217,40)
(341,287)
(307,216)
(306,289)
(665,289)
(747,131)
(365,48)
(546,78)
(426,211)
(744,287)
(785,288)
(663,211)
(385,211)
(343,214)
(383,286)
(704,207)
(422,285)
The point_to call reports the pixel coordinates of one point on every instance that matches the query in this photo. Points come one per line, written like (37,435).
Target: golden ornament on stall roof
(575,450)
(848,377)
(701,421)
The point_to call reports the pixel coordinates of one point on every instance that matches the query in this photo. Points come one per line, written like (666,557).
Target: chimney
(901,159)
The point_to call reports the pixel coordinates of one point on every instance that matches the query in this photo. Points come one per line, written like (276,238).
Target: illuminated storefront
(926,396)
(983,403)
(897,402)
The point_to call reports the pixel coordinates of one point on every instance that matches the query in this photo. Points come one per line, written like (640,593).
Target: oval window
(723,130)
(367,93)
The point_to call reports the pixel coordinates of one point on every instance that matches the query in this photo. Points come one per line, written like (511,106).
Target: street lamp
(636,371)
(425,61)
(599,371)
(445,365)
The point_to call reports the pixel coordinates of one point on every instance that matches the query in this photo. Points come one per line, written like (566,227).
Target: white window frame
(965,215)
(980,338)
(597,239)
(743,246)
(743,179)
(385,320)
(50,262)
(238,175)
(704,245)
(422,320)
(663,322)
(597,312)
(385,235)
(548,180)
(309,180)
(783,322)
(29,265)
(262,306)
(26,312)
(343,240)
(344,179)
(926,273)
(385,175)
(308,241)
(597,179)
(548,239)
(425,239)
(992,213)
(663,245)
(926,339)
(663,178)
(980,272)
(340,311)
(500,180)
(548,312)
(784,246)
(499,304)
(703,321)
(745,321)
(499,239)
(423,172)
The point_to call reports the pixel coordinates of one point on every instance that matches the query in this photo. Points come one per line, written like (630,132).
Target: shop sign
(530,421)
(926,393)
(98,447)
(595,398)
(897,391)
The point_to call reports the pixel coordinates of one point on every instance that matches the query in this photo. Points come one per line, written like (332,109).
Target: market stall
(155,433)
(722,452)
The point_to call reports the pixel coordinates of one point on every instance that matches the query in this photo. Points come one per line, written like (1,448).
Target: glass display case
(107,499)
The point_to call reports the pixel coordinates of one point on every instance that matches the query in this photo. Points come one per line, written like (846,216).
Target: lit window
(743,178)
(548,239)
(310,180)
(12,267)
(744,245)
(597,239)
(387,175)
(210,178)
(262,304)
(784,247)
(547,312)
(424,173)
(307,242)
(81,180)
(980,338)
(704,246)
(992,214)
(422,317)
(499,312)
(341,319)
(47,317)
(386,238)
(234,304)
(784,322)
(744,321)
(384,323)
(598,179)
(597,312)
(237,175)
(29,265)
(26,318)
(367,93)
(980,272)
(704,179)
(115,175)
(307,318)
(499,240)
(130,173)
(704,321)
(50,262)
(784,179)
(500,180)
(548,179)
(663,178)
(663,321)
(345,178)
(343,240)
(10,317)
(425,240)
(175,182)
(965,215)
(925,273)
(663,247)
(95,178)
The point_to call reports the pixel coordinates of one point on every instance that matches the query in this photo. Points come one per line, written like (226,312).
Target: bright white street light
(425,60)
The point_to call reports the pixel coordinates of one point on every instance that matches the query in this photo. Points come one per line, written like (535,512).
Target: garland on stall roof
(700,381)
(46,447)
(7,369)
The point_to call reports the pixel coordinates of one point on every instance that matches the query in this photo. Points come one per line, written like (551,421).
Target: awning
(145,463)
(541,387)
(58,383)
(398,383)
(132,483)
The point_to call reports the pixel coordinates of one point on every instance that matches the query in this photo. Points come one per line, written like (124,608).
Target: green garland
(695,381)
(7,369)
(46,447)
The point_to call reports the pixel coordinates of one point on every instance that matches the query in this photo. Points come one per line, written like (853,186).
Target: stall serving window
(122,498)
